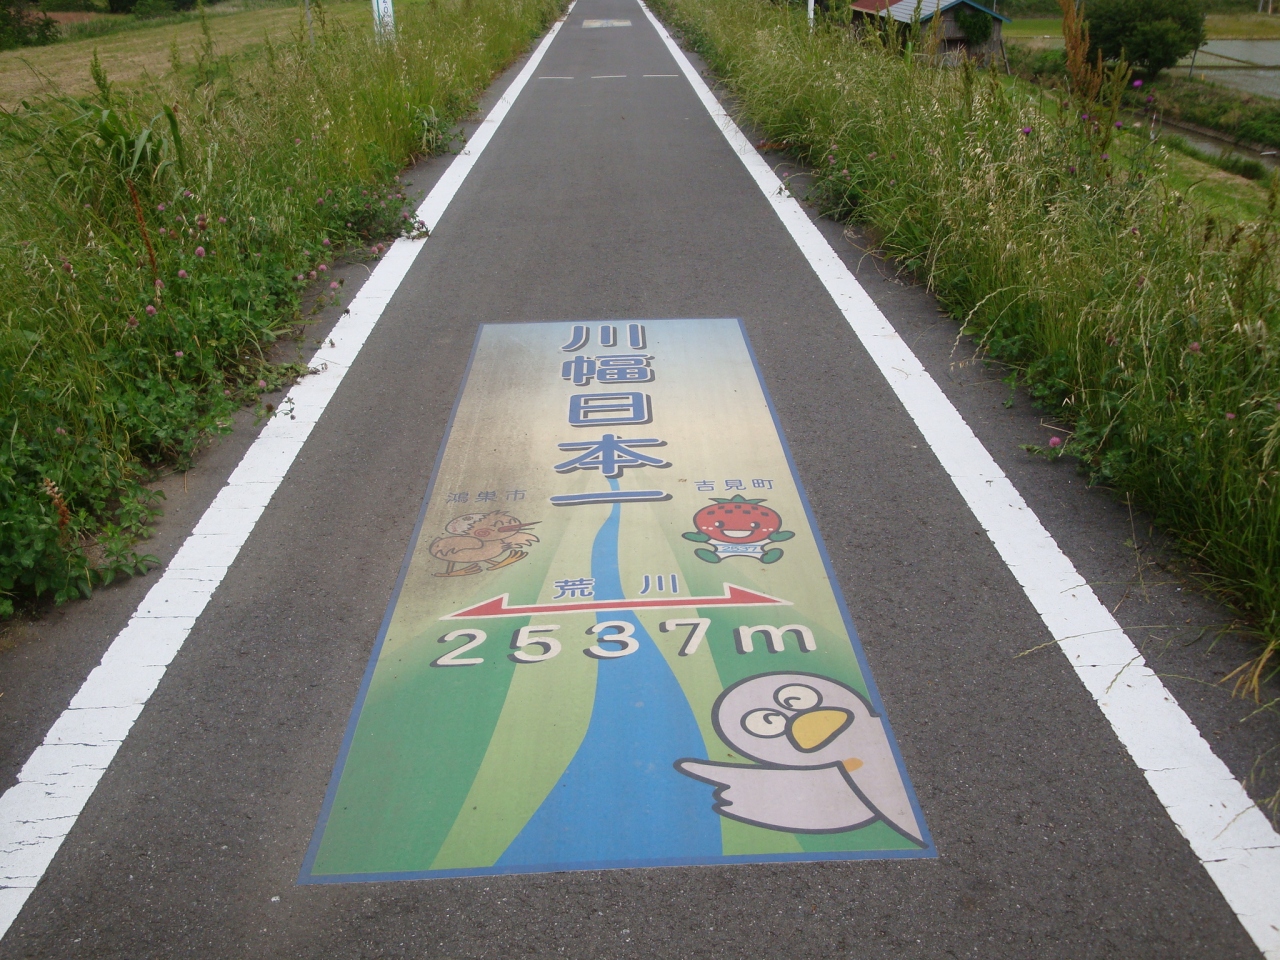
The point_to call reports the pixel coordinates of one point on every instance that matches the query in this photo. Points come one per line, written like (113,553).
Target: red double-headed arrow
(734,596)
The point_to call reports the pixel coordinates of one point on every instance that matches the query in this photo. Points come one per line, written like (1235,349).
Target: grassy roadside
(1150,325)
(157,237)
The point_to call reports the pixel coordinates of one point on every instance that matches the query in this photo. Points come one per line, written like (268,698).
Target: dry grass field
(130,56)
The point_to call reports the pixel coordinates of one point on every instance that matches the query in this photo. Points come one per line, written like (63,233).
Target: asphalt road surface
(613,195)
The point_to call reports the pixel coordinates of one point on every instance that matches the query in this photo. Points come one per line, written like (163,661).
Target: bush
(1037,64)
(1153,35)
(974,24)
(149,9)
(22,26)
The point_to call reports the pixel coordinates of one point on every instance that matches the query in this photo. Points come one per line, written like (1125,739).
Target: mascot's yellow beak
(814,729)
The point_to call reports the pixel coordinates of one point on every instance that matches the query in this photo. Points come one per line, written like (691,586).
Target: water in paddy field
(1262,53)
(1247,65)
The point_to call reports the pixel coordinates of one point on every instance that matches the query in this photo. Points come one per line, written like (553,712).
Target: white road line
(611,76)
(38,812)
(662,74)
(1228,833)
(555,78)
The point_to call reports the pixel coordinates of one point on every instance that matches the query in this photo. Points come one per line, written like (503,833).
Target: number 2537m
(616,638)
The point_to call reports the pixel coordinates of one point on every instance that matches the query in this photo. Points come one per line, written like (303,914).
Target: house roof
(904,10)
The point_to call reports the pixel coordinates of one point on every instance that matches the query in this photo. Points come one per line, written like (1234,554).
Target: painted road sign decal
(571,676)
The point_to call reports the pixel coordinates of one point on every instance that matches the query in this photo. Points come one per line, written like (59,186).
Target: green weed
(157,240)
(1150,325)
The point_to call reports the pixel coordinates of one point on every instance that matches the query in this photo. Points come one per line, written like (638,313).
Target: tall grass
(155,242)
(1145,322)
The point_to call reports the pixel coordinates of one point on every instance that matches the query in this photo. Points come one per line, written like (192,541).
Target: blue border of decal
(305,876)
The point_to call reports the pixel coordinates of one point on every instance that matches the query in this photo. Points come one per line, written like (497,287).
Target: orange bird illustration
(481,538)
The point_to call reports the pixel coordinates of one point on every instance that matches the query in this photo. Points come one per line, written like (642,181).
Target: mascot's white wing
(880,782)
(814,800)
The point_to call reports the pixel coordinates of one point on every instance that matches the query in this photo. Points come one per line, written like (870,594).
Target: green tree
(1151,34)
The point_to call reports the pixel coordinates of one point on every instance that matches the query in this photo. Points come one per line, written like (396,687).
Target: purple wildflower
(1055,443)
(199,251)
(151,310)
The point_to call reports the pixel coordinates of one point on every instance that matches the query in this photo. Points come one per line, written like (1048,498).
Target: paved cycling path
(608,204)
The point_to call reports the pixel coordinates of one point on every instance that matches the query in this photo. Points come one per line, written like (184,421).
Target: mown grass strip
(157,239)
(1133,314)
